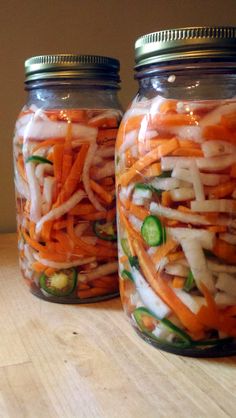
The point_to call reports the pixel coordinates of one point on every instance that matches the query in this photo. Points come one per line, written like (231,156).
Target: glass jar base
(225,350)
(71,299)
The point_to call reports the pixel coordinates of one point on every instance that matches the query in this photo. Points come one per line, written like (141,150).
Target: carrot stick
(148,159)
(163,250)
(153,170)
(221,190)
(38,267)
(188,152)
(82,209)
(174,119)
(218,132)
(138,211)
(50,271)
(59,225)
(176,256)
(57,160)
(178,282)
(46,231)
(49,143)
(166,198)
(104,195)
(74,175)
(21,167)
(187,317)
(168,106)
(225,251)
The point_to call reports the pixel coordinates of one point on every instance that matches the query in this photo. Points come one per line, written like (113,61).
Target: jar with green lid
(64,177)
(176,192)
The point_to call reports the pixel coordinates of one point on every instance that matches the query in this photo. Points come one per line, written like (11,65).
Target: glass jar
(176,192)
(64,176)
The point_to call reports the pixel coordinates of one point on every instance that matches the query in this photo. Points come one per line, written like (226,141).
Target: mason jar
(64,177)
(176,192)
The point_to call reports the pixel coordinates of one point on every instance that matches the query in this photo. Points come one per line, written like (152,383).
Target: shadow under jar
(64,177)
(176,192)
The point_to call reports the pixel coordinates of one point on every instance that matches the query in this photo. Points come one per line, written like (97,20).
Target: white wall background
(105,27)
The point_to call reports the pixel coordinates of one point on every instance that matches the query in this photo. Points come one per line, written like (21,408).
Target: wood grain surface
(85,361)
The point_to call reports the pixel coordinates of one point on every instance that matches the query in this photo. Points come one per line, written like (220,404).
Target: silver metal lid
(70,66)
(186,43)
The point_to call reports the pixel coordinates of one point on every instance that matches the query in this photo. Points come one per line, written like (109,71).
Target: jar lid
(195,43)
(72,66)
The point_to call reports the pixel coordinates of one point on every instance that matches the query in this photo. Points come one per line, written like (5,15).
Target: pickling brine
(65,194)
(176,200)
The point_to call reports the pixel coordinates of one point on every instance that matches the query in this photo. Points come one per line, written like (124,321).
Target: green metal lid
(72,66)
(186,43)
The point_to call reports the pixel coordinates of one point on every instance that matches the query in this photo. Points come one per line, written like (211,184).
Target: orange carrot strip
(153,170)
(105,122)
(126,224)
(32,229)
(138,211)
(82,209)
(21,167)
(33,243)
(148,159)
(74,175)
(163,250)
(105,135)
(133,122)
(229,120)
(49,143)
(58,151)
(218,132)
(50,271)
(178,282)
(46,231)
(217,228)
(233,171)
(221,190)
(176,256)
(104,195)
(59,225)
(129,159)
(168,106)
(96,216)
(111,213)
(225,251)
(160,286)
(38,267)
(166,198)
(188,152)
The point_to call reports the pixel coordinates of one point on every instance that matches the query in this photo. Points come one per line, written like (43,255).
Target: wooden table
(85,361)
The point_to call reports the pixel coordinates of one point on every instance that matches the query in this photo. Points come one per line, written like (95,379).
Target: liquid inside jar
(176,192)
(65,194)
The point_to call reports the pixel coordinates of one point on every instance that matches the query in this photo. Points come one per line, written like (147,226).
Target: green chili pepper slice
(37,159)
(105,230)
(61,283)
(152,231)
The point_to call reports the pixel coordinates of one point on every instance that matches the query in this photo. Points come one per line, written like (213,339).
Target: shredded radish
(204,237)
(206,179)
(130,139)
(66,265)
(100,271)
(208,164)
(226,283)
(106,171)
(217,267)
(182,194)
(168,183)
(175,269)
(214,117)
(40,171)
(86,177)
(106,152)
(215,148)
(137,224)
(214,205)
(148,296)
(194,303)
(223,299)
(56,213)
(47,197)
(35,193)
(197,182)
(169,213)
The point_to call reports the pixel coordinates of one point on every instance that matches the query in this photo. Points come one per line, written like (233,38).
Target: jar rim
(190,43)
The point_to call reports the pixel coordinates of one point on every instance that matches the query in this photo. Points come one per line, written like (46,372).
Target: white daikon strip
(140,193)
(217,267)
(106,171)
(204,237)
(197,182)
(197,262)
(100,271)
(61,265)
(167,183)
(215,148)
(21,186)
(106,152)
(188,133)
(169,213)
(60,210)
(208,164)
(129,140)
(186,107)
(148,296)
(214,205)
(125,192)
(223,299)
(48,186)
(230,238)
(182,194)
(206,179)
(226,283)
(214,117)
(194,303)
(137,224)
(39,130)
(138,201)
(111,113)
(35,193)
(86,177)
(175,269)
(41,169)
